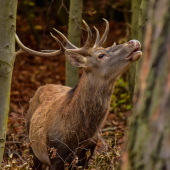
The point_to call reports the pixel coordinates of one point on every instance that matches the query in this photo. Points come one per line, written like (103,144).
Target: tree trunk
(134,35)
(74,35)
(7,57)
(142,27)
(142,19)
(148,146)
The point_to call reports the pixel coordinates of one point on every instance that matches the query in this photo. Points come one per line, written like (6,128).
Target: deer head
(106,63)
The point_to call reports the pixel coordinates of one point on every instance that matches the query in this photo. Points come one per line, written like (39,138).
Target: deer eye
(101,55)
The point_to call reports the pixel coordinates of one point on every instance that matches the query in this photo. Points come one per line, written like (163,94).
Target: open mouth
(136,53)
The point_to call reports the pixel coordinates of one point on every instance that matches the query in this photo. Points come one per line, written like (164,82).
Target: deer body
(68,119)
(71,125)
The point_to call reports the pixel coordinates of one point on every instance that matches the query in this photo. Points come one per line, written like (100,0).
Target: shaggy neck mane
(88,104)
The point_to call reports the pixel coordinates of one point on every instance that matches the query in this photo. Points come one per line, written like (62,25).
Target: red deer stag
(68,119)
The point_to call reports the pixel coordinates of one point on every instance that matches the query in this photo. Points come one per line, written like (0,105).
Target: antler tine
(103,39)
(87,44)
(68,43)
(62,48)
(114,44)
(32,52)
(97,37)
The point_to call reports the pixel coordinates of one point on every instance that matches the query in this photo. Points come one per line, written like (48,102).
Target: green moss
(120,100)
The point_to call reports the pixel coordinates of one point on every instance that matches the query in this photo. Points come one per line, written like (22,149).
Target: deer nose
(130,42)
(137,43)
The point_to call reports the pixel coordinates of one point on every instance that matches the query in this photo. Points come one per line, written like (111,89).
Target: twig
(13,142)
(62,5)
(62,143)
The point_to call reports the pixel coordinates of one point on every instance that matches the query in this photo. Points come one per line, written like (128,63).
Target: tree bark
(142,20)
(7,57)
(134,35)
(148,144)
(142,27)
(74,35)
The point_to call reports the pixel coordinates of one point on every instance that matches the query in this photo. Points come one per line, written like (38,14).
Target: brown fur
(69,119)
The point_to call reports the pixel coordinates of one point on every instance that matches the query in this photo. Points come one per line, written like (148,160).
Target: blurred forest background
(35,20)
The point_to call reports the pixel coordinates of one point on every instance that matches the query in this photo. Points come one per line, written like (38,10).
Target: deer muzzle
(135,54)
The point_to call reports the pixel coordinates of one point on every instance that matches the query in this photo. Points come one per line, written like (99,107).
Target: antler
(69,46)
(84,49)
(97,37)
(89,38)
(68,43)
(100,42)
(41,54)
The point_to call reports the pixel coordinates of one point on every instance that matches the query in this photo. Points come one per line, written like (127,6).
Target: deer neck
(89,103)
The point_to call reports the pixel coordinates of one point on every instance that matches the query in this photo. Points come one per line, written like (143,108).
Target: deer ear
(75,59)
